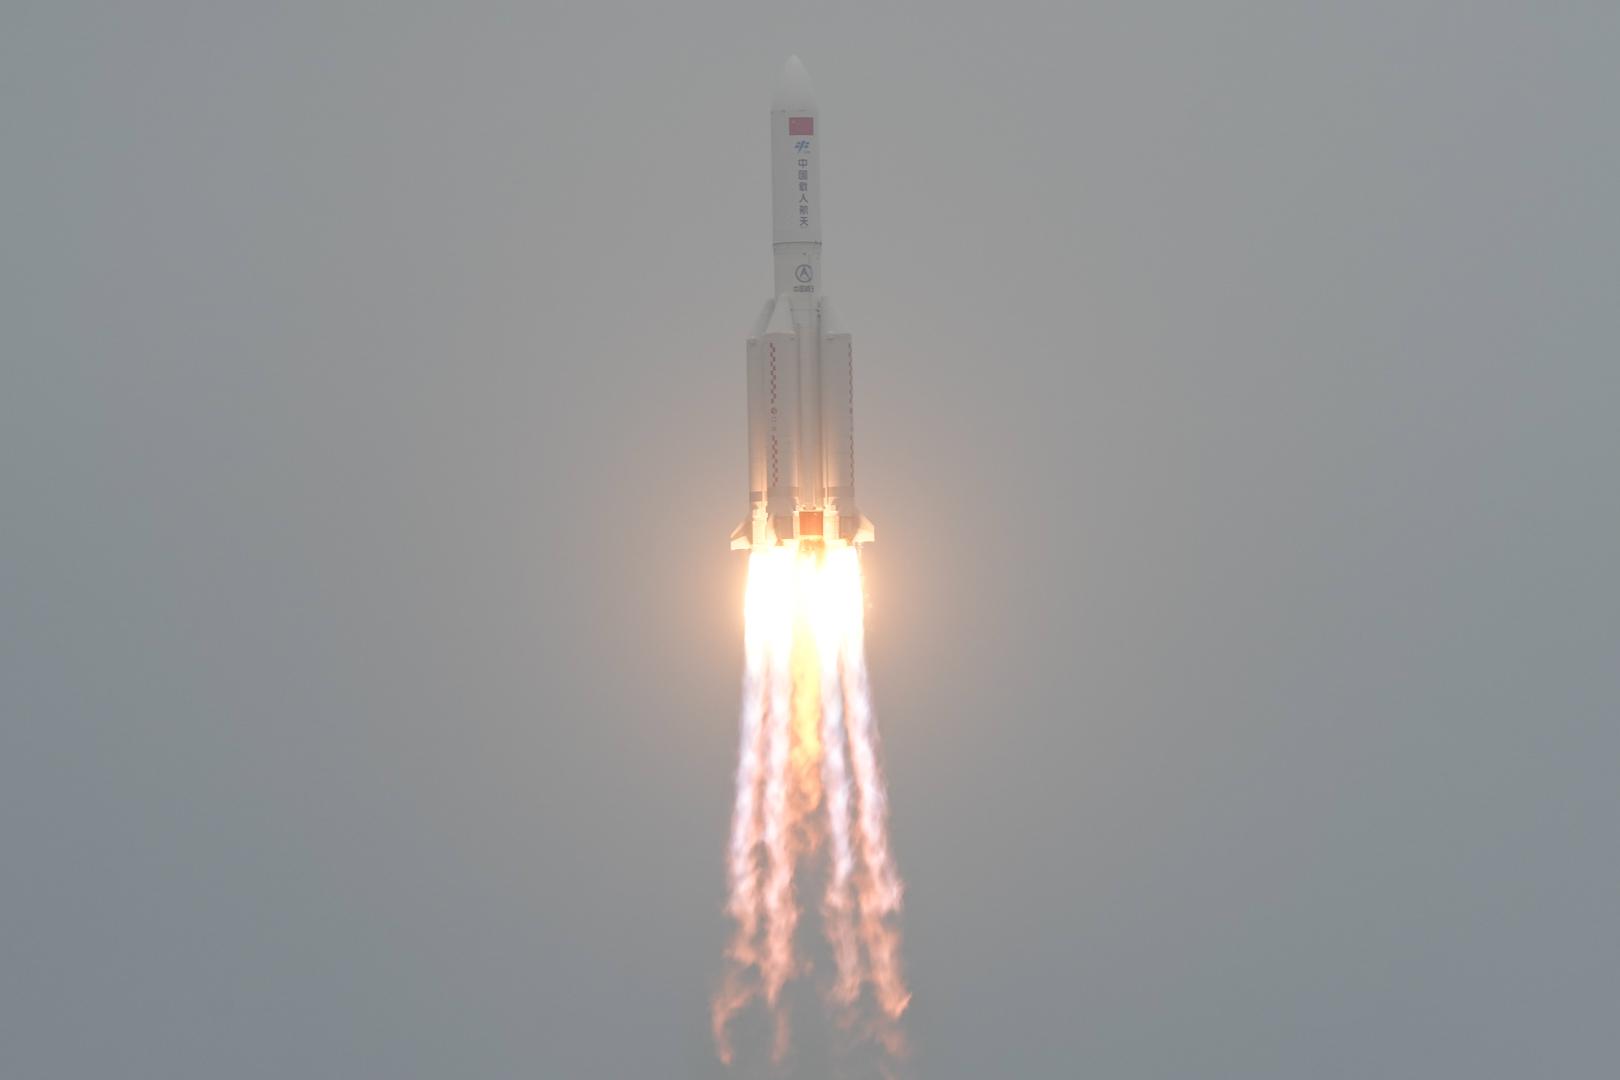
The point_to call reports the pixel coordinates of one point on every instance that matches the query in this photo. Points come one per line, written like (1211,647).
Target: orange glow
(808,779)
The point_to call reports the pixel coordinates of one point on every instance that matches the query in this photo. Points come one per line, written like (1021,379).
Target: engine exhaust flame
(808,772)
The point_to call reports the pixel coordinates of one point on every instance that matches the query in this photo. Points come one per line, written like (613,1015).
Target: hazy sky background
(1237,394)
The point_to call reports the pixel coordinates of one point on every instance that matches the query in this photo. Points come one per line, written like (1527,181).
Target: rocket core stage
(809,781)
(801,404)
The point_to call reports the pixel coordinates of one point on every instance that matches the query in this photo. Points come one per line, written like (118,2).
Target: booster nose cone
(793,90)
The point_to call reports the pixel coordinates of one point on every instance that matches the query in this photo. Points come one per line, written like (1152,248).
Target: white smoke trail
(880,887)
(745,824)
(837,905)
(781,911)
(742,866)
(874,812)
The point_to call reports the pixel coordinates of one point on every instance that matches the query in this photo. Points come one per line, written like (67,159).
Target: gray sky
(1236,389)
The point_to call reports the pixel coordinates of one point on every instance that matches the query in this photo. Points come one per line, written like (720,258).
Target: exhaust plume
(808,777)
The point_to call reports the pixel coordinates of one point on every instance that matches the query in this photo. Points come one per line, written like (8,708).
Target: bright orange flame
(808,744)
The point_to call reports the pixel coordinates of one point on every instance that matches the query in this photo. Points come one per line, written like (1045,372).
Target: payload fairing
(801,406)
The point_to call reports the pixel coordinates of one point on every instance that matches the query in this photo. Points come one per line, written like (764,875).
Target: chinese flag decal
(801,125)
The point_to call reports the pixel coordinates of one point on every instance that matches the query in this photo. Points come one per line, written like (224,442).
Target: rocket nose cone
(793,88)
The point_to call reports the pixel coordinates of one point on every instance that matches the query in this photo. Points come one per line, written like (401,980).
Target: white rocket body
(801,417)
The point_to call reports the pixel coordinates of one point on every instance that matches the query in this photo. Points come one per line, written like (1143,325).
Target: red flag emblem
(801,125)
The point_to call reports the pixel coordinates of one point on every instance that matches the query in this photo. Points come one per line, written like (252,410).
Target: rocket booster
(801,417)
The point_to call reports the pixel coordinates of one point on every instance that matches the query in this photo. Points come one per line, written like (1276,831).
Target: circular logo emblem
(803,273)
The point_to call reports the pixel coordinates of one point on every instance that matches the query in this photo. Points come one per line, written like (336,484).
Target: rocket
(801,414)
